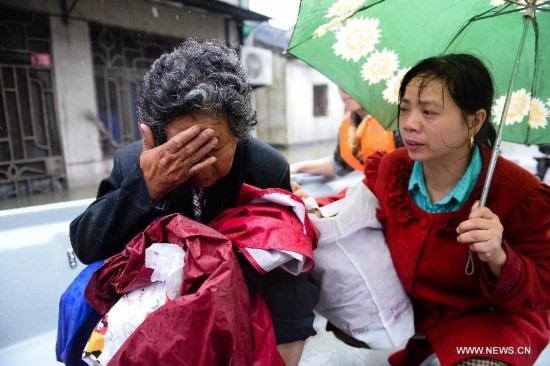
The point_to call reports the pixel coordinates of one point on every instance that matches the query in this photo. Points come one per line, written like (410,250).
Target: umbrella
(365,47)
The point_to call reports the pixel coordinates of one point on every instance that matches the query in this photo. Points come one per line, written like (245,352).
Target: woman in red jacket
(478,276)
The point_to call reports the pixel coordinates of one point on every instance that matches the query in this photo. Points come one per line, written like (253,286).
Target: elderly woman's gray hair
(197,77)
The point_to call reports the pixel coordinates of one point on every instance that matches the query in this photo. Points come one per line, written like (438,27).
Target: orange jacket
(369,136)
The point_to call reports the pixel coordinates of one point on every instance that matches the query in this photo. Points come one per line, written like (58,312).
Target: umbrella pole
(527,17)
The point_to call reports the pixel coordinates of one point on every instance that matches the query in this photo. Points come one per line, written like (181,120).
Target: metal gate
(31,160)
(121,58)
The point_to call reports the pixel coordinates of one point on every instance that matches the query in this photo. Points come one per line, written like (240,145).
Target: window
(320,100)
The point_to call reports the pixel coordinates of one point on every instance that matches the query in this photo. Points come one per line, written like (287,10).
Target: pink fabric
(259,223)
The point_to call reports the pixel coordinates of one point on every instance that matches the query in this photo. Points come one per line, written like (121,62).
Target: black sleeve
(266,167)
(122,209)
(284,177)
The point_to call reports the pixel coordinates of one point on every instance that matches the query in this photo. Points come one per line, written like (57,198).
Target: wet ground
(308,151)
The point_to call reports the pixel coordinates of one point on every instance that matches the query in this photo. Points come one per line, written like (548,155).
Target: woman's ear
(476,122)
(480,116)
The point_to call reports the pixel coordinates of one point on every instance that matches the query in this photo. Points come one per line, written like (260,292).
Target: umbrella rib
(363,7)
(481,16)
(539,6)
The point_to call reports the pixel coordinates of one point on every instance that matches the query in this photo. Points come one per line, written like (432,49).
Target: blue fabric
(76,319)
(454,200)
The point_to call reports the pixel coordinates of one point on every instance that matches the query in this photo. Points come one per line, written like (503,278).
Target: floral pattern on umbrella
(365,48)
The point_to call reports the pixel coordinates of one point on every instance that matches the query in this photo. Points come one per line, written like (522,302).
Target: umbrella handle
(527,18)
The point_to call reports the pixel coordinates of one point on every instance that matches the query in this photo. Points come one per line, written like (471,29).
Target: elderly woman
(196,114)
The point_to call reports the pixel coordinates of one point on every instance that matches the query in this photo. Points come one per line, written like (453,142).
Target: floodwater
(308,151)
(293,154)
(520,154)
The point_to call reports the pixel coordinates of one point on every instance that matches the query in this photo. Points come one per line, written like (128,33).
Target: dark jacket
(123,207)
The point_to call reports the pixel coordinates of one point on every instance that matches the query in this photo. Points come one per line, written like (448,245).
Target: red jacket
(452,308)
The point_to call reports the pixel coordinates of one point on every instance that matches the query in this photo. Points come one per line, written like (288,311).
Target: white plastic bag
(167,262)
(360,291)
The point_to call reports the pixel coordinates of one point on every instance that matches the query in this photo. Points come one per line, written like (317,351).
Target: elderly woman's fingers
(202,151)
(188,164)
(188,141)
(187,153)
(167,166)
(180,141)
(199,159)
(147,136)
(195,168)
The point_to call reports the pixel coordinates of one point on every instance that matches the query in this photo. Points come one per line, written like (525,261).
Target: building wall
(303,127)
(73,66)
(148,16)
(285,108)
(73,70)
(271,105)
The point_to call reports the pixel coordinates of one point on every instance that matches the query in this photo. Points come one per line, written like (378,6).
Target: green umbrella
(365,47)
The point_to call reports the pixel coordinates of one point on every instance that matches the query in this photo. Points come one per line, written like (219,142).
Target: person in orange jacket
(359,136)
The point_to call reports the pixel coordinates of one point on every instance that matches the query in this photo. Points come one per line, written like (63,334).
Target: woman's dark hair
(469,83)
(197,77)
